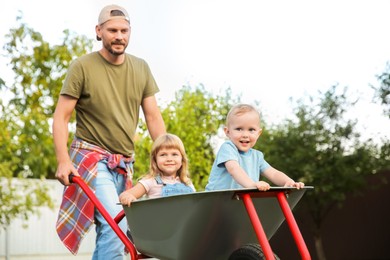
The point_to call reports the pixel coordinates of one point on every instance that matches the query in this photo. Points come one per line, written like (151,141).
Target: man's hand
(63,172)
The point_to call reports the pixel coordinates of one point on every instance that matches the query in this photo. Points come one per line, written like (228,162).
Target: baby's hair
(169,141)
(240,109)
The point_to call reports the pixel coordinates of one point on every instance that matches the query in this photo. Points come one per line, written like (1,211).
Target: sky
(265,51)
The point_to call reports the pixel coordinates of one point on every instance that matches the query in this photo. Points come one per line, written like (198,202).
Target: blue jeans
(109,184)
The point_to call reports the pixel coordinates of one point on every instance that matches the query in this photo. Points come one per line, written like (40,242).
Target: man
(107,89)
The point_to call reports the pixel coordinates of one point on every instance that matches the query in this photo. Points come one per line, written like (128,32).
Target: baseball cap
(111,12)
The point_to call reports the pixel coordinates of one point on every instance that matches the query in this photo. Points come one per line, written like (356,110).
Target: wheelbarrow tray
(204,225)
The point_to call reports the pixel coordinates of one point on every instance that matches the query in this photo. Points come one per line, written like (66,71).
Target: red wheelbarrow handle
(112,222)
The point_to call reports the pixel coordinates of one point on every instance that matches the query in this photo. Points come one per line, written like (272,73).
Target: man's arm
(61,117)
(153,117)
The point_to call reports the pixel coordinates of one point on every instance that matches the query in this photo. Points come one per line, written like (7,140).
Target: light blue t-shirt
(252,162)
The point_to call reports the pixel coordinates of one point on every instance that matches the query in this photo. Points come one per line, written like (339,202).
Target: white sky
(265,50)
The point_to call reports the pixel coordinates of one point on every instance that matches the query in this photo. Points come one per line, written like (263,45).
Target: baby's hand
(292,183)
(126,198)
(262,185)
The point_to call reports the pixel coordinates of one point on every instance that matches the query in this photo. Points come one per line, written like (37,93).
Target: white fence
(39,239)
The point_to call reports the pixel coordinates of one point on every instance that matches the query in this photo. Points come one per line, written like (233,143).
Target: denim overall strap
(172,189)
(159,180)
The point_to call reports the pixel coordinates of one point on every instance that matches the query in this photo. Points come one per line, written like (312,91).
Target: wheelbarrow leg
(293,226)
(261,236)
(114,225)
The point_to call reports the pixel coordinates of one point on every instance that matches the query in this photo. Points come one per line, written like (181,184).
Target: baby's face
(244,130)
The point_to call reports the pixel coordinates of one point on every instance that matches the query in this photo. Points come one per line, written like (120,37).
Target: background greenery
(318,145)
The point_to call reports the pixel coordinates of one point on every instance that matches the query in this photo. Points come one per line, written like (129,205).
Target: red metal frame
(296,233)
(113,223)
(261,236)
(247,199)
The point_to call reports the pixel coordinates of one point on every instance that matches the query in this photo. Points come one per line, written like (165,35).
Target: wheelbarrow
(226,224)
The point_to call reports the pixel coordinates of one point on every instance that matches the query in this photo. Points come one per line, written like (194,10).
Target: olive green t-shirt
(109,98)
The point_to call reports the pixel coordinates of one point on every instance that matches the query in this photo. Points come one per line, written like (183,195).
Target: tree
(27,147)
(383,92)
(39,70)
(322,148)
(195,116)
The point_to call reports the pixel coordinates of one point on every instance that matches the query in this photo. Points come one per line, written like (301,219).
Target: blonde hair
(169,141)
(240,109)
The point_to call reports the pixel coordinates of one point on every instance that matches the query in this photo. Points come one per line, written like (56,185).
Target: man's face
(115,35)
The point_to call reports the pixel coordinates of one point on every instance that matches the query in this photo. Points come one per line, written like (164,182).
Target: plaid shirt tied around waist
(76,214)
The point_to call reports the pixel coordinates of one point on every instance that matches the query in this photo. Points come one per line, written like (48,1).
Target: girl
(168,174)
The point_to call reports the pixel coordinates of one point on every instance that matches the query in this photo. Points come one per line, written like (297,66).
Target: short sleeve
(227,152)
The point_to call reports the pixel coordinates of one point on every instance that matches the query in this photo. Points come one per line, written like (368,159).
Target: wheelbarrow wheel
(249,252)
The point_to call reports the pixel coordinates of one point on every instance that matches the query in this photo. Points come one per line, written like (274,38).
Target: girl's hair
(169,141)
(240,109)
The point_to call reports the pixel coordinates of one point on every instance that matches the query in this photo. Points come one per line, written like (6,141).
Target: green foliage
(321,148)
(195,116)
(17,197)
(383,92)
(318,146)
(25,139)
(39,70)
(21,197)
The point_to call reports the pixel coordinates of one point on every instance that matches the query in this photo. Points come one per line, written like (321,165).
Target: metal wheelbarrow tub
(211,224)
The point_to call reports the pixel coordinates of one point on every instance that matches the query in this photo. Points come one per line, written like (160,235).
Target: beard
(109,47)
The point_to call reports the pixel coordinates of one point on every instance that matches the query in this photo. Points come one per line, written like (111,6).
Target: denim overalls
(173,189)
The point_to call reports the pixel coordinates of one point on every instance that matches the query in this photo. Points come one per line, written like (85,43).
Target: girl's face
(169,161)
(244,130)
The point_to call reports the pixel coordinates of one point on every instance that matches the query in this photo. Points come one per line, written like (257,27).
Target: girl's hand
(126,198)
(262,185)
